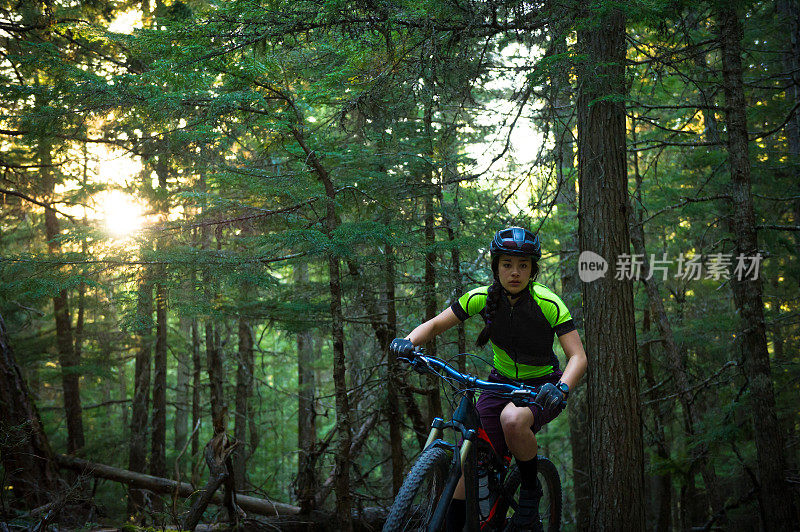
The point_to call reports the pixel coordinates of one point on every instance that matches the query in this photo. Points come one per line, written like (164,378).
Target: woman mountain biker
(521,319)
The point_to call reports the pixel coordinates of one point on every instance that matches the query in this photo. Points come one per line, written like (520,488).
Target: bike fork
(459,460)
(436,431)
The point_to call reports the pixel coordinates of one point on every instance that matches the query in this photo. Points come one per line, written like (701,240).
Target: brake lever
(420,366)
(521,398)
(416,362)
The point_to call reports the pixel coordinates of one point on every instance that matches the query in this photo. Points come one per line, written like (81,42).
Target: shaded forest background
(314,178)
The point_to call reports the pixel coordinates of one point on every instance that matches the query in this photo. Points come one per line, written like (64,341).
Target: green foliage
(238,112)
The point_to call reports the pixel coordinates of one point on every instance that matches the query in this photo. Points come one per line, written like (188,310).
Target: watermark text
(715,266)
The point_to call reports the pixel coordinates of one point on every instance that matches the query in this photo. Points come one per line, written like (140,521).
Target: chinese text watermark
(716,266)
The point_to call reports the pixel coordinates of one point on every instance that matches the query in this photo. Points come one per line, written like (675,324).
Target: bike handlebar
(522,394)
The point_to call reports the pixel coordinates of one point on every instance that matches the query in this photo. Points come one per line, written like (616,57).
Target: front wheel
(551,501)
(420,493)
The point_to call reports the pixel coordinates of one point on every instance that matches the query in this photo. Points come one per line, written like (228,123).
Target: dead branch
(355,447)
(165,485)
(217,454)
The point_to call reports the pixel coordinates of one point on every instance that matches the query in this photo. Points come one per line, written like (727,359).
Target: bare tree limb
(355,447)
(165,485)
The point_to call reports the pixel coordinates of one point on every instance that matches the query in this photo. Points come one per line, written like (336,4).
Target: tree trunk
(571,293)
(431,308)
(244,389)
(158,443)
(216,371)
(675,362)
(616,457)
(122,387)
(306,415)
(70,377)
(183,375)
(220,468)
(385,330)
(343,502)
(790,13)
(197,369)
(342,467)
(774,494)
(215,379)
(570,283)
(137,457)
(452,222)
(662,484)
(393,381)
(27,459)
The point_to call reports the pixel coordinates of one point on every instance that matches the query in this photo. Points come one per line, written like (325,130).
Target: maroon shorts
(489,407)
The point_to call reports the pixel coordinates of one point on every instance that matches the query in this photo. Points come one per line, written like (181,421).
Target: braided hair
(493,295)
(492,299)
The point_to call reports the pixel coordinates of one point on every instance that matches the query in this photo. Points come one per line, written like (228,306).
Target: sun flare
(123,216)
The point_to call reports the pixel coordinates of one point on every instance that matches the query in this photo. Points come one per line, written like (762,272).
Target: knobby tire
(420,493)
(550,506)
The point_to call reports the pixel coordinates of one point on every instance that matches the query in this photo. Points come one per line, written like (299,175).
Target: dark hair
(493,297)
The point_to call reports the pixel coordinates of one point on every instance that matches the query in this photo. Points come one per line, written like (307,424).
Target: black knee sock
(527,473)
(456,516)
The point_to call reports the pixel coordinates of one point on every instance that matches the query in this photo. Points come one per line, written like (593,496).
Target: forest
(216,215)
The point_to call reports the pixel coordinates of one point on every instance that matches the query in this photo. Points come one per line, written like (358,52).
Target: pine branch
(27,166)
(789,117)
(685,201)
(35,202)
(779,227)
(772,198)
(694,388)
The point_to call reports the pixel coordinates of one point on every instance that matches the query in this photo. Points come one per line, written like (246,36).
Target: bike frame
(466,420)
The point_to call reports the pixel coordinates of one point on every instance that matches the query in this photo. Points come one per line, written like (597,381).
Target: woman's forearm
(576,358)
(576,367)
(426,332)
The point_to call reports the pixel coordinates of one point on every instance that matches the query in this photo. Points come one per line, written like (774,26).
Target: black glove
(401,347)
(549,397)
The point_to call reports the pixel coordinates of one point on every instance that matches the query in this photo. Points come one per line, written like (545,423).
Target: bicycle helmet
(516,241)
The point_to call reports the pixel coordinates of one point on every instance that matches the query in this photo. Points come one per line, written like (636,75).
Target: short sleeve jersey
(523,333)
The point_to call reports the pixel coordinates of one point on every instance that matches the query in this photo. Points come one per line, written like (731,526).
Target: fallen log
(167,486)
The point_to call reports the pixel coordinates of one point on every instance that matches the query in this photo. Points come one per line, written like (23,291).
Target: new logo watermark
(716,266)
(591,266)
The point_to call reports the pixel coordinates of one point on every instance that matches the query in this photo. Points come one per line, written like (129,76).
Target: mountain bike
(492,484)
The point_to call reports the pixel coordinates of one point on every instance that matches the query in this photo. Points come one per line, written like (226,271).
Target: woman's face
(514,272)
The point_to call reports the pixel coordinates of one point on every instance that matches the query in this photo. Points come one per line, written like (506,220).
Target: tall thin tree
(775,498)
(617,461)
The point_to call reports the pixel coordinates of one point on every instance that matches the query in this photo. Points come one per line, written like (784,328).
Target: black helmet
(516,241)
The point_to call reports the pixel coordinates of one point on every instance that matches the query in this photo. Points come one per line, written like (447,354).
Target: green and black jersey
(523,333)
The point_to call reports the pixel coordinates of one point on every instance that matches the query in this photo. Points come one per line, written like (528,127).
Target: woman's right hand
(549,397)
(401,347)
